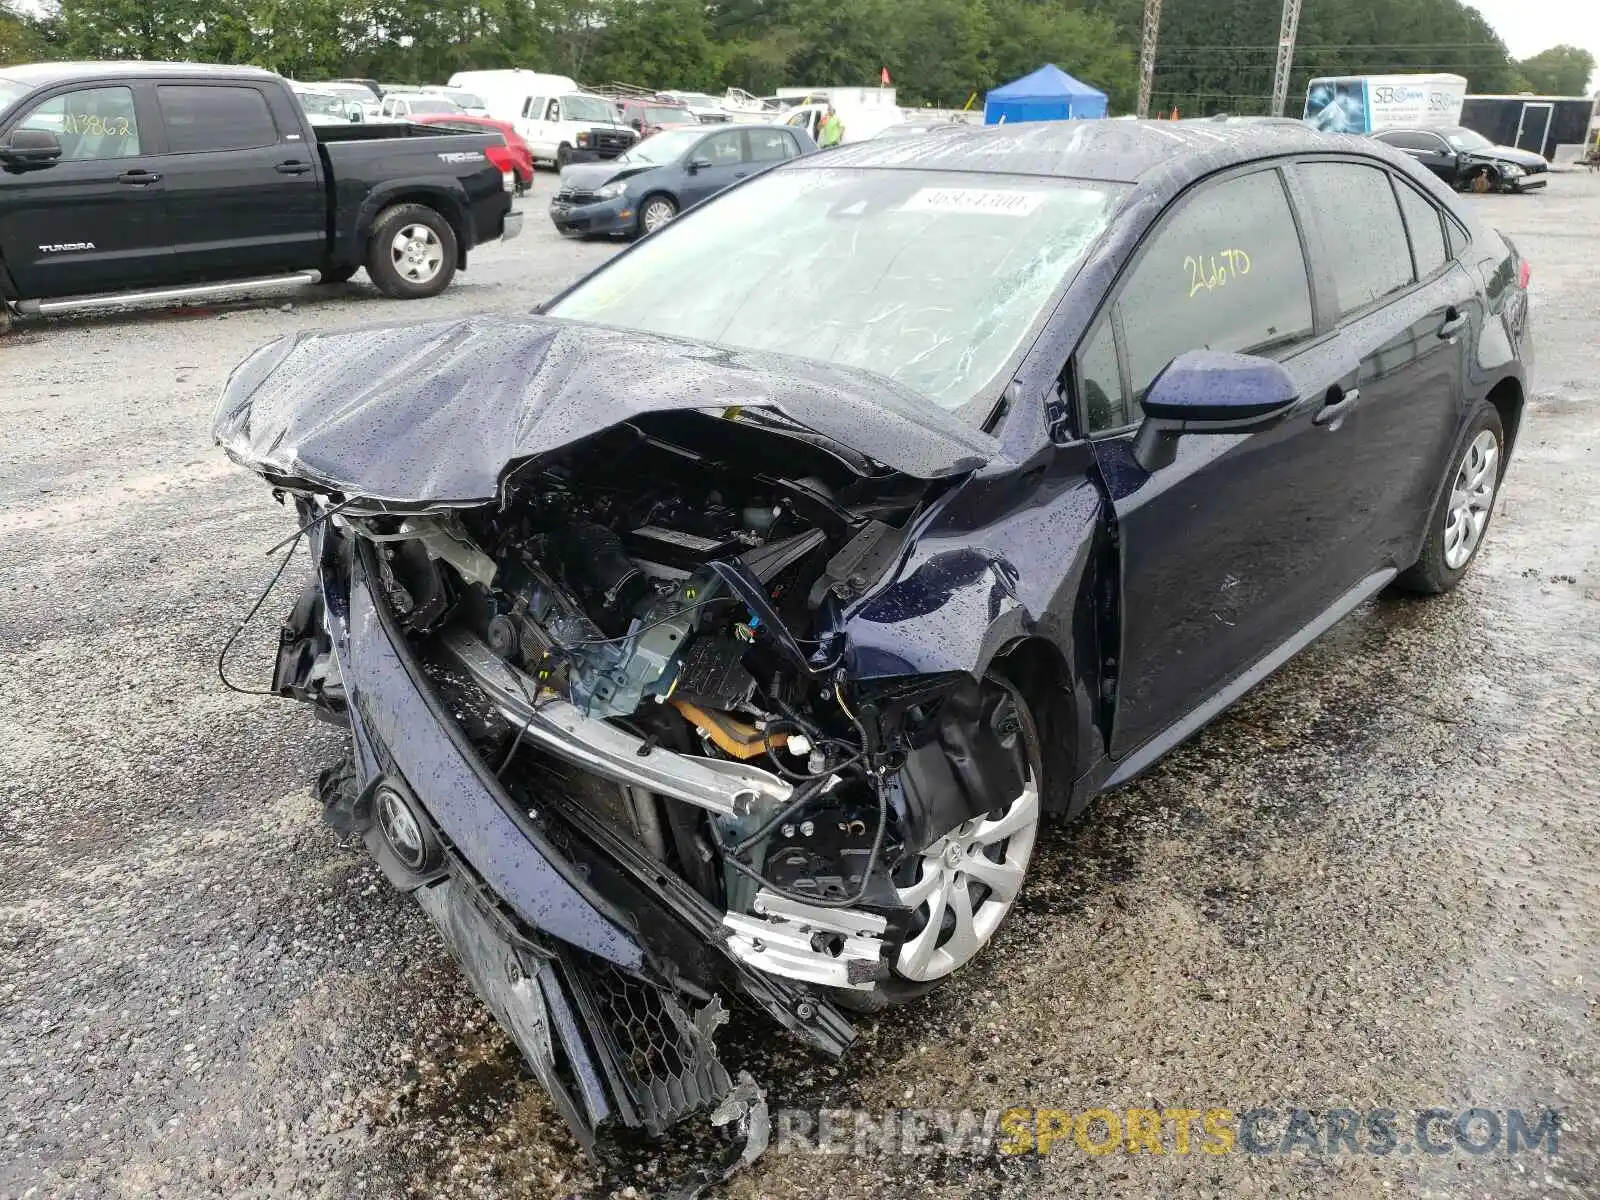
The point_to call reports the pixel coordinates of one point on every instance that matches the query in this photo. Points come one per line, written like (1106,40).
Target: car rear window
(1427,234)
(935,279)
(211,117)
(1368,254)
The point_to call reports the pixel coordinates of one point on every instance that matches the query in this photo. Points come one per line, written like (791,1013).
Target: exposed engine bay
(637,588)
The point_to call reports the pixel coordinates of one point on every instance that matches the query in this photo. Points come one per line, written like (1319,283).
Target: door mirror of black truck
(356,114)
(30,148)
(1210,391)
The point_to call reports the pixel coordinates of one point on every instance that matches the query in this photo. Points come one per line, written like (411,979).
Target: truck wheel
(412,253)
(340,274)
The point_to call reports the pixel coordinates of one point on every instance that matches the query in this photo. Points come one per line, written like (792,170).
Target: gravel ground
(1373,884)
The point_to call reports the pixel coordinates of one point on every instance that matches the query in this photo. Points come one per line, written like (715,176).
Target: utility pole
(1286,36)
(1147,54)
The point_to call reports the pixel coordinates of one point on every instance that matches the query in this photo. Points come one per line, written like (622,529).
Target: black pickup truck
(138,180)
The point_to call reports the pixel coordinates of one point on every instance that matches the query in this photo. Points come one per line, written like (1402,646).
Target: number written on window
(1224,272)
(1210,271)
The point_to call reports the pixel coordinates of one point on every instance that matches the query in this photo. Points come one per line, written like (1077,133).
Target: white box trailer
(843,97)
(1370,103)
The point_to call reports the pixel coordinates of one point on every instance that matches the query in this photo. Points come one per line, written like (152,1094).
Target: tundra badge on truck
(64,247)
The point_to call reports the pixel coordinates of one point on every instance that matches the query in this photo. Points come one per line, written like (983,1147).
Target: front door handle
(294,166)
(139,177)
(1339,403)
(1454,322)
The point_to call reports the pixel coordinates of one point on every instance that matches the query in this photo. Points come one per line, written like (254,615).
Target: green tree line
(1215,55)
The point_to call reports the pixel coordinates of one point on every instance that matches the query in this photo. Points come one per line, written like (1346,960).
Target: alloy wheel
(417,252)
(1471,499)
(966,883)
(656,214)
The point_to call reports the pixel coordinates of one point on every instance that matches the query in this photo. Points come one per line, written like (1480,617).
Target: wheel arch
(1508,398)
(1040,672)
(439,199)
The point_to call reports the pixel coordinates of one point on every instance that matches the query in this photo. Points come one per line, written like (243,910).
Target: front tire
(656,212)
(412,254)
(963,886)
(1460,520)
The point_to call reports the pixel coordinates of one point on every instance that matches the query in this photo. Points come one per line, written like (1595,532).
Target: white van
(574,127)
(505,93)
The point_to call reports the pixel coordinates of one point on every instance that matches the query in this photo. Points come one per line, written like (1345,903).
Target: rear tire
(1460,521)
(1020,816)
(412,254)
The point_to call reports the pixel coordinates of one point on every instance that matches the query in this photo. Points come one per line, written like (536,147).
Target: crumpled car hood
(586,177)
(434,412)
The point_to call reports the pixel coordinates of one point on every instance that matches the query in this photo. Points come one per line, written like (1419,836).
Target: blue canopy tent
(1049,94)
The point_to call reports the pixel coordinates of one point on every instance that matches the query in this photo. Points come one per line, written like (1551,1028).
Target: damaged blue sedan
(721,633)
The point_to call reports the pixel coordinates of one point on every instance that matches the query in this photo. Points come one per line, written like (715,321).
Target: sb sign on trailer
(1371,103)
(1537,123)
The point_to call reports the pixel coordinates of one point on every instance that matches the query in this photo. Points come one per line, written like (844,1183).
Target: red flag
(884,77)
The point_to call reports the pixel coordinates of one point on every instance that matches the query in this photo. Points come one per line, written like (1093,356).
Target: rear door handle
(1340,401)
(138,177)
(1454,322)
(294,166)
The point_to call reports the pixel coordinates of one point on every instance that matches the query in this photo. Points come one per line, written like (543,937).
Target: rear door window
(1427,234)
(1406,141)
(769,145)
(1362,233)
(208,117)
(1224,272)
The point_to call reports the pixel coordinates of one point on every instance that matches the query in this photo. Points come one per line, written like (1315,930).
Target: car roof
(1106,151)
(41,74)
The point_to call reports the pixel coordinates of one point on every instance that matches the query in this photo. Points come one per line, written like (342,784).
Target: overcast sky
(1529,26)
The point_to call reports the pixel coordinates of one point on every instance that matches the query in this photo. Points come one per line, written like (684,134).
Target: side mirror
(1210,391)
(30,148)
(699,163)
(356,115)
(638,124)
